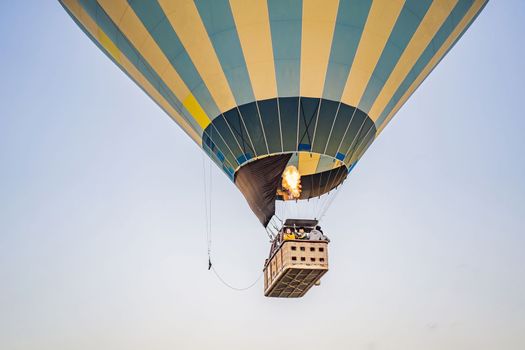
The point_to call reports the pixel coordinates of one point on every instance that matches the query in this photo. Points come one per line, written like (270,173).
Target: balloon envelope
(261,85)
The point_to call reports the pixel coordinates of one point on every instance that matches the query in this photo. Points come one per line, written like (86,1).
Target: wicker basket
(295,267)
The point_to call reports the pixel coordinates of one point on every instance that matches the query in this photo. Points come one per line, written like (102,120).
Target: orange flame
(291,182)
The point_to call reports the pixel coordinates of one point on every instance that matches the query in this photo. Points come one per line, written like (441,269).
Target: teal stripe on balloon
(218,20)
(154,19)
(228,170)
(454,18)
(286,28)
(126,48)
(464,29)
(351,19)
(406,25)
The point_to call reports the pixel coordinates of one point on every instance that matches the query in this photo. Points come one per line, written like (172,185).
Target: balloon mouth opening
(298,184)
(304,175)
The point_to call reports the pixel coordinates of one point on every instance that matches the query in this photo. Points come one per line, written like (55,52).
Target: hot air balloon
(285,96)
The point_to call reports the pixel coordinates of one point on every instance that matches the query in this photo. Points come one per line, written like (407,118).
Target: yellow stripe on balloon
(308,163)
(476,7)
(89,24)
(253,26)
(187,23)
(318,25)
(131,26)
(433,20)
(195,109)
(110,47)
(381,20)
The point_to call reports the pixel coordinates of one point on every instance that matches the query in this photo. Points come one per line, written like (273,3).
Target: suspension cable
(329,202)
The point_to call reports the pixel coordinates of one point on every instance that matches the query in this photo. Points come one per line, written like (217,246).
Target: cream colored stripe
(131,26)
(96,32)
(435,60)
(308,163)
(433,20)
(253,26)
(381,19)
(317,32)
(187,23)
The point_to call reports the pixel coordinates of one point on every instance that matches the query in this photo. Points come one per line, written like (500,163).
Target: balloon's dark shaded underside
(259,180)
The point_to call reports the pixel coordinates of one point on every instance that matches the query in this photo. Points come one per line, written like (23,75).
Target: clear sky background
(102,236)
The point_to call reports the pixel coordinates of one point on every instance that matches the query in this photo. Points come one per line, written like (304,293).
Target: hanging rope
(207,196)
(208,226)
(232,287)
(207,208)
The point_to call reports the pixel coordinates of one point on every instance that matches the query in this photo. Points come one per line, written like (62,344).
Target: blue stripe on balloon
(285,24)
(160,29)
(220,25)
(456,15)
(406,25)
(351,19)
(304,147)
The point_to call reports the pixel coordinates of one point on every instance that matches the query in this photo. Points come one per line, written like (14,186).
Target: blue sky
(102,238)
